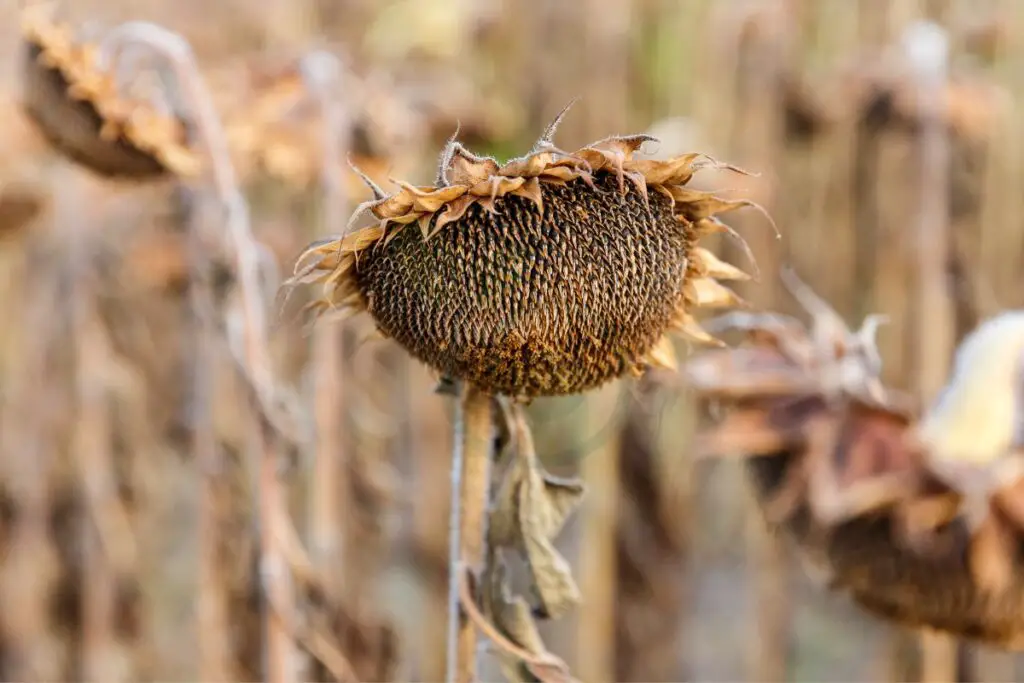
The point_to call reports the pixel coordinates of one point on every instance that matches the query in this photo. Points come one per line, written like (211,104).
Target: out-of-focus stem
(324,80)
(280,650)
(211,610)
(107,540)
(927,48)
(596,657)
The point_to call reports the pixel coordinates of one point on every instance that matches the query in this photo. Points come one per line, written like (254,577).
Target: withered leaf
(530,510)
(544,505)
(512,616)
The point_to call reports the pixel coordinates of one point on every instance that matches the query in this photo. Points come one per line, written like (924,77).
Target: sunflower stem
(279,598)
(470,476)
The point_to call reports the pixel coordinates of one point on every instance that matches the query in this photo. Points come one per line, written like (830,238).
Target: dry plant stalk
(109,548)
(32,567)
(212,610)
(255,357)
(323,77)
(927,46)
(92,77)
(841,465)
(498,286)
(651,543)
(341,542)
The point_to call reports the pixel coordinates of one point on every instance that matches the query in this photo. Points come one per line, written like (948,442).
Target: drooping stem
(471,462)
(255,348)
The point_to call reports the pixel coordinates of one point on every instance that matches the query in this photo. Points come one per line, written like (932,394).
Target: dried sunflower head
(831,457)
(548,275)
(79,110)
(275,123)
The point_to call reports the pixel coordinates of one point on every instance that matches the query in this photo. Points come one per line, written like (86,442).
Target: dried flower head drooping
(273,126)
(837,464)
(549,275)
(77,105)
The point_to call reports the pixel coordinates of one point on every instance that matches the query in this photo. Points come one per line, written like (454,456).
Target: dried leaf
(513,617)
(545,502)
(530,510)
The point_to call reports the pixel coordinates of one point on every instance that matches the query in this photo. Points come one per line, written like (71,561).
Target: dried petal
(753,372)
(991,555)
(663,355)
(706,264)
(691,330)
(677,171)
(707,293)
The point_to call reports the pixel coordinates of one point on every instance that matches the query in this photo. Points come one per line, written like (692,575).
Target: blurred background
(886,153)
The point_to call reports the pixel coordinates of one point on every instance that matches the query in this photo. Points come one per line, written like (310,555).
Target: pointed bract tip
(548,135)
(815,306)
(868,331)
(378,193)
(445,161)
